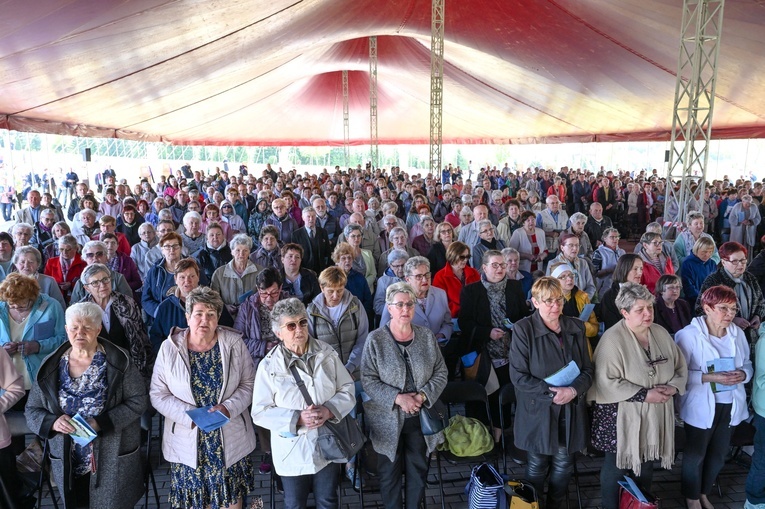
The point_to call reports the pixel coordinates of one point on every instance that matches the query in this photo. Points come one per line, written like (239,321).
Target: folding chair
(17,424)
(507,397)
(147,426)
(460,393)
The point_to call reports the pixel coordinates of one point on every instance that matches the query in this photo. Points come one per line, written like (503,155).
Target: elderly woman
(215,254)
(655,262)
(393,274)
(398,240)
(59,230)
(22,234)
(161,277)
(456,275)
(212,215)
(128,224)
(12,386)
(686,240)
(486,242)
(268,254)
(298,281)
(401,370)
(343,256)
(94,378)
(670,311)
(715,401)
(732,273)
(43,230)
(604,259)
(205,366)
(551,421)
(488,309)
(424,242)
(27,261)
(569,254)
(574,301)
(363,261)
(279,406)
(696,267)
(6,254)
(235,222)
(529,241)
(578,220)
(87,227)
(139,252)
(639,369)
(121,263)
(31,324)
(744,218)
(257,219)
(444,237)
(121,317)
(66,268)
(235,281)
(513,259)
(192,236)
(629,268)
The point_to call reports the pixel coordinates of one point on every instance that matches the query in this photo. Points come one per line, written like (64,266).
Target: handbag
(522,495)
(434,419)
(629,501)
(338,442)
(485,489)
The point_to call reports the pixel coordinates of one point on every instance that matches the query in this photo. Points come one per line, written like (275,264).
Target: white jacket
(171,395)
(697,405)
(277,403)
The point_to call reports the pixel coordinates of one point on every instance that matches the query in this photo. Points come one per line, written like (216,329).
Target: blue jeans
(755,482)
(323,484)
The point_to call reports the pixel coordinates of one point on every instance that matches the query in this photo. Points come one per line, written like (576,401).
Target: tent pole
(373,101)
(436,85)
(346,124)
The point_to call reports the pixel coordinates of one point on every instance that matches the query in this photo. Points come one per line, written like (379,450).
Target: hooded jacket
(347,337)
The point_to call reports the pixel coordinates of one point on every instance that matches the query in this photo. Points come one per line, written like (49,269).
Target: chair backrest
(506,394)
(17,423)
(463,392)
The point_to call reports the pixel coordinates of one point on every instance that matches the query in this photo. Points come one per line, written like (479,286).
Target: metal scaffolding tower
(694,102)
(346,125)
(373,101)
(436,84)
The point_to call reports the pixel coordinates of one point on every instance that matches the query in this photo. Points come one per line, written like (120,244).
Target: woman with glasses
(488,310)
(343,256)
(486,241)
(715,401)
(27,261)
(393,274)
(235,222)
(732,273)
(455,275)
(279,406)
(575,300)
(655,262)
(569,255)
(529,240)
(551,421)
(629,269)
(444,237)
(236,280)
(638,369)
(670,311)
(161,277)
(401,370)
(604,259)
(205,366)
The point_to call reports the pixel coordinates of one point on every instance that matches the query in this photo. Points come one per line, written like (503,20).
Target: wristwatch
(424,397)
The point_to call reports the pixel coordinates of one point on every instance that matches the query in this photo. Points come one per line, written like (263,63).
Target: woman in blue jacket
(696,267)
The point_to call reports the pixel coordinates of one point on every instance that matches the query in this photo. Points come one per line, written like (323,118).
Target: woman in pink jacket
(12,384)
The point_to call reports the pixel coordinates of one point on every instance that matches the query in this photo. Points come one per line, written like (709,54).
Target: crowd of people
(235,293)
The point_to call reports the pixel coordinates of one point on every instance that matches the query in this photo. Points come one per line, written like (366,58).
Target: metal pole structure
(373,101)
(694,102)
(436,85)
(346,125)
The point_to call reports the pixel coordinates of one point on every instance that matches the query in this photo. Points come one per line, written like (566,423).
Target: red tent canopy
(269,72)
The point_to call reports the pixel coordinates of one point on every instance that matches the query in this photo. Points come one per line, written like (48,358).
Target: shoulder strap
(301,385)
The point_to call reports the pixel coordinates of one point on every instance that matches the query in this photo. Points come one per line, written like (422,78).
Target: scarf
(496,292)
(744,294)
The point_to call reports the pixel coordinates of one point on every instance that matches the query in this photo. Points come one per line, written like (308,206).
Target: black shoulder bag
(338,442)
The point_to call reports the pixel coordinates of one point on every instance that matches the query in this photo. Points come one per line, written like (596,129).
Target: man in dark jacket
(314,241)
(582,192)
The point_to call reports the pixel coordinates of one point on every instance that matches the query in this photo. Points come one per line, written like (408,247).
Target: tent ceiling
(269,72)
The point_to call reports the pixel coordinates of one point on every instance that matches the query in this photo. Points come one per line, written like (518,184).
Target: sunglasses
(292,326)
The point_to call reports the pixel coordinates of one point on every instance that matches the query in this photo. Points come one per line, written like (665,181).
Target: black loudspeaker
(666,156)
(86,155)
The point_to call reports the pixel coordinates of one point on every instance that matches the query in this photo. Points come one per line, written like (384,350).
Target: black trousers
(412,454)
(560,467)
(704,453)
(610,476)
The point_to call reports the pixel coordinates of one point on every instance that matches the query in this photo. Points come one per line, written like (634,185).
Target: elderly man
(398,240)
(469,232)
(358,207)
(596,224)
(43,234)
(74,206)
(95,252)
(326,220)
(282,220)
(744,219)
(314,241)
(140,250)
(31,213)
(553,221)
(369,240)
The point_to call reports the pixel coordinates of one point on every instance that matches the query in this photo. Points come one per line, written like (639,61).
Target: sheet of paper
(586,312)
(564,376)
(718,366)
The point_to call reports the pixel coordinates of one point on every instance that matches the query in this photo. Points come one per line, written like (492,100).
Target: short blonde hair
(546,287)
(332,276)
(702,243)
(400,287)
(342,249)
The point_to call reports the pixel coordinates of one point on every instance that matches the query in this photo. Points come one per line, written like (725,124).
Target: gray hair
(22,226)
(373,203)
(147,225)
(653,227)
(308,209)
(398,230)
(94,244)
(352,228)
(88,212)
(649,237)
(25,250)
(692,215)
(68,240)
(400,287)
(241,239)
(489,254)
(205,296)
(511,251)
(91,270)
(286,308)
(578,216)
(165,215)
(187,216)
(397,254)
(630,293)
(482,223)
(424,218)
(390,205)
(608,231)
(88,311)
(414,262)
(47,212)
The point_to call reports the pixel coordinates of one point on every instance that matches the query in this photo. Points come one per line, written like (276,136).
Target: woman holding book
(551,421)
(715,401)
(89,380)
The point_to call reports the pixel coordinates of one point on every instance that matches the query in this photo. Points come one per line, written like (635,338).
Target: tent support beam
(694,103)
(373,101)
(436,85)
(346,125)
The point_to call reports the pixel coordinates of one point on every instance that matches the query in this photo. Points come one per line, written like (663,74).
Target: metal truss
(346,125)
(436,85)
(374,157)
(694,102)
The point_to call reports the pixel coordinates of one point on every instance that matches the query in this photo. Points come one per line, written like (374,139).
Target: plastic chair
(460,393)
(17,424)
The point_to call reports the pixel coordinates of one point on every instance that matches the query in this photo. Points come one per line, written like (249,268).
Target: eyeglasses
(742,261)
(20,307)
(171,247)
(99,282)
(484,232)
(566,276)
(291,326)
(420,277)
(732,310)
(655,243)
(400,305)
(98,254)
(397,266)
(496,265)
(274,293)
(553,302)
(465,257)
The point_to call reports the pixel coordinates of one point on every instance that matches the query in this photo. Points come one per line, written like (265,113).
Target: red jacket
(446,280)
(53,269)
(651,275)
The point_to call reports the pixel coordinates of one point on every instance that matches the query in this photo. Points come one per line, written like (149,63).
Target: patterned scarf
(497,305)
